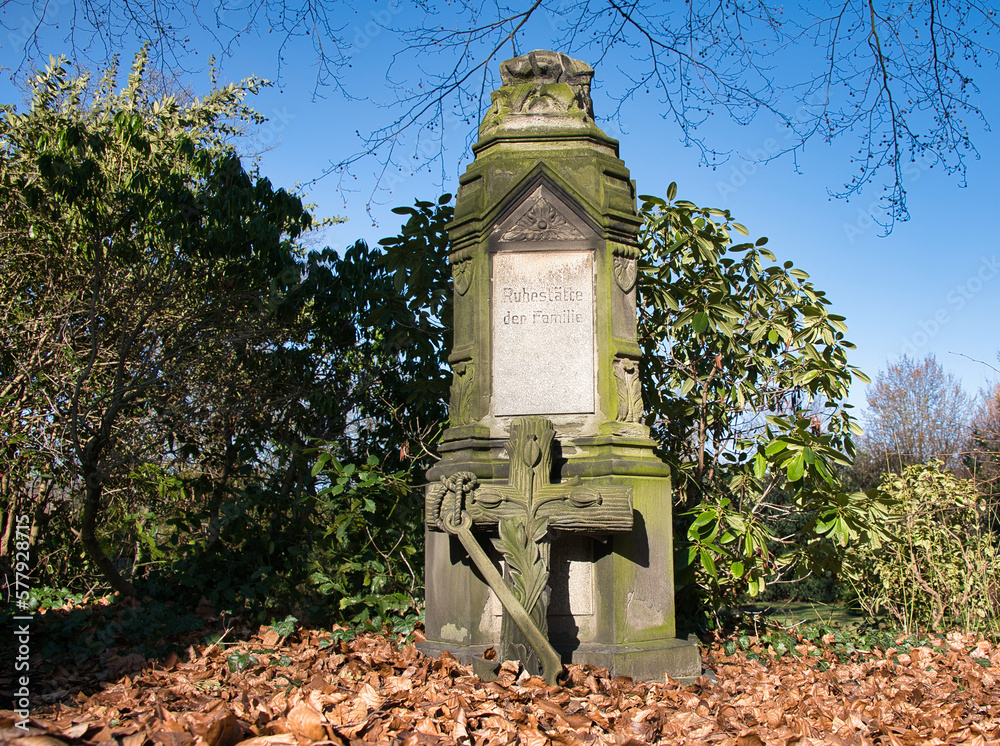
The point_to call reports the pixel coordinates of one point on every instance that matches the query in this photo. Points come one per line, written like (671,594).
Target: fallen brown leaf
(304,720)
(371,690)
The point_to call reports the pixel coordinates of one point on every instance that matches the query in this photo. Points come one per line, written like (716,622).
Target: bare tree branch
(896,78)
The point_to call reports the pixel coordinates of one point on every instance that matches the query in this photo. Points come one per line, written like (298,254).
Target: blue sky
(931,286)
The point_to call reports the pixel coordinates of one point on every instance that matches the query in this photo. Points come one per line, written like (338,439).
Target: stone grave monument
(548,518)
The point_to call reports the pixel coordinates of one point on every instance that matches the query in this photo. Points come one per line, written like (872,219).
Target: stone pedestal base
(612,597)
(679,660)
(674,659)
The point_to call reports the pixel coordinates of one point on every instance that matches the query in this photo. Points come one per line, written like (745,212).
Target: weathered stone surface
(544,255)
(542,221)
(543,66)
(543,332)
(541,88)
(572,577)
(676,659)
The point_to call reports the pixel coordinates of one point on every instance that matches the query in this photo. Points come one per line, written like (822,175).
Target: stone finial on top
(549,87)
(541,68)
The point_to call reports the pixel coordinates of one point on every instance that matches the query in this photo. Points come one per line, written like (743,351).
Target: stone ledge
(678,659)
(674,658)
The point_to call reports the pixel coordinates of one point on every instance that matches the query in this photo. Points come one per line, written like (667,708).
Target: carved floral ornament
(629,390)
(460,408)
(542,222)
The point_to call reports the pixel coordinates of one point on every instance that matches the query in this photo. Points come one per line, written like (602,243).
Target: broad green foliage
(172,359)
(345,548)
(341,540)
(942,568)
(371,557)
(744,374)
(137,254)
(416,316)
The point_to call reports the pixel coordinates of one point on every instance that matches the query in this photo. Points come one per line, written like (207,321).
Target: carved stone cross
(525,511)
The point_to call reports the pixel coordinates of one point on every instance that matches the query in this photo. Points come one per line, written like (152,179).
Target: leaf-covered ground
(311,687)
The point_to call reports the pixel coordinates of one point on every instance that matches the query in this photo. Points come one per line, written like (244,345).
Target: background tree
(191,398)
(897,78)
(983,448)
(916,411)
(745,374)
(137,249)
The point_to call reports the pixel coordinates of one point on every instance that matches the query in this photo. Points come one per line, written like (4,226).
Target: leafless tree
(916,411)
(983,456)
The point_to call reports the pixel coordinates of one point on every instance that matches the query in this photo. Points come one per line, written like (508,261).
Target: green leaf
(775,446)
(700,322)
(286,627)
(796,468)
(238,662)
(759,465)
(708,563)
(686,386)
(704,518)
(320,463)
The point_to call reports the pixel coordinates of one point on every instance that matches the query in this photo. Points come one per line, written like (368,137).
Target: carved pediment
(542,222)
(541,217)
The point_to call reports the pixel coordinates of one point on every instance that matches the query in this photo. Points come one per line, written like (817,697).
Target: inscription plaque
(543,332)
